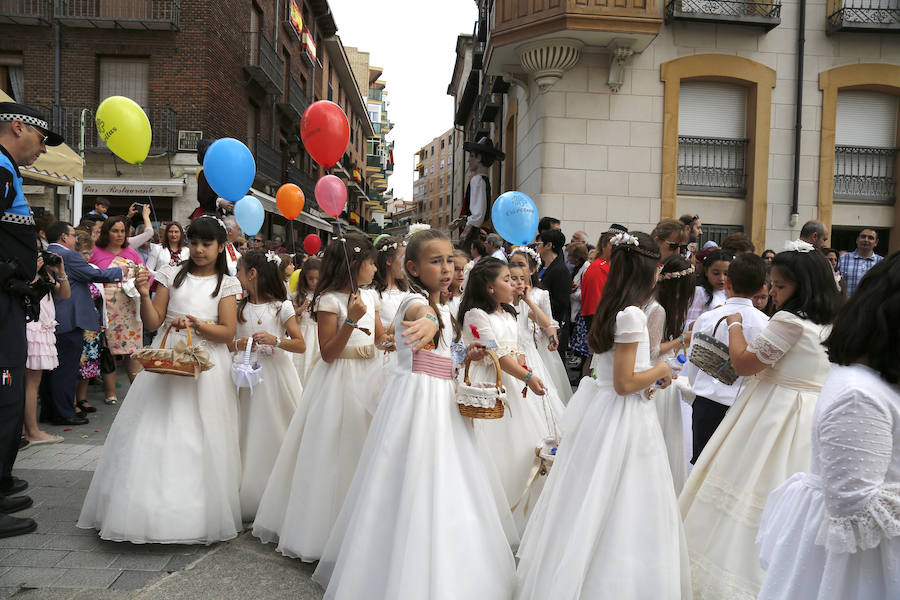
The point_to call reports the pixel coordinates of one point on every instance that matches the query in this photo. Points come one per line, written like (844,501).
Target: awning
(61,165)
(270,205)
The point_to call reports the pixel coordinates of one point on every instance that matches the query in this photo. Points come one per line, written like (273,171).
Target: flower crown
(388,247)
(798,246)
(529,252)
(272,257)
(676,275)
(631,243)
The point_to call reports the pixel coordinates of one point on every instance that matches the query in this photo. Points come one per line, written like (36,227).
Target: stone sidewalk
(60,561)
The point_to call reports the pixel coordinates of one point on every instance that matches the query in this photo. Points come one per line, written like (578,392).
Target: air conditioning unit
(188,140)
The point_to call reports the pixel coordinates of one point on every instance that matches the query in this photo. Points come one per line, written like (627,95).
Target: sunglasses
(43,137)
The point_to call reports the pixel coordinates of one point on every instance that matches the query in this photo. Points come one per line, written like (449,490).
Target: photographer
(24,136)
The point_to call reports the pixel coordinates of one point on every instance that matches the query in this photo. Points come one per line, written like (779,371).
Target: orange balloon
(290,201)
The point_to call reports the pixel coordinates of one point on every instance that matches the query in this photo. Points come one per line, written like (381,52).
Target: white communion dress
(834,533)
(305,361)
(552,360)
(420,519)
(763,439)
(318,457)
(508,444)
(171,465)
(266,410)
(607,522)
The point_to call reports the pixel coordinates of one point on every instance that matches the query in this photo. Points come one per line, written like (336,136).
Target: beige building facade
(643,111)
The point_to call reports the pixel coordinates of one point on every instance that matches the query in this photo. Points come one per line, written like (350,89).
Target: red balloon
(325,132)
(290,201)
(312,244)
(331,194)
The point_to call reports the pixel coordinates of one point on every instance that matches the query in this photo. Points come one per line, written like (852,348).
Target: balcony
(67,121)
(157,15)
(294,103)
(303,180)
(262,63)
(757,14)
(863,16)
(24,12)
(268,163)
(712,166)
(863,174)
(596,23)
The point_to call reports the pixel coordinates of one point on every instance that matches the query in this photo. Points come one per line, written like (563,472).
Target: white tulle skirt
(797,568)
(316,462)
(305,361)
(265,416)
(555,367)
(668,409)
(171,465)
(607,524)
(420,518)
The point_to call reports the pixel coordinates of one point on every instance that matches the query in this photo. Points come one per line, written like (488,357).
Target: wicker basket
(481,400)
(183,360)
(711,356)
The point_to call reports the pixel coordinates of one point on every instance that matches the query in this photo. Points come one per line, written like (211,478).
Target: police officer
(24,136)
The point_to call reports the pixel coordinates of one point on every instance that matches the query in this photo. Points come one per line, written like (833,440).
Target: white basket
(244,374)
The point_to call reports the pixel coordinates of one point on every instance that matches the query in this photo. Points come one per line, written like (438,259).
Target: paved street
(60,561)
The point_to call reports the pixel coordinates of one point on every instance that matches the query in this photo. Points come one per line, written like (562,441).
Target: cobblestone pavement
(60,561)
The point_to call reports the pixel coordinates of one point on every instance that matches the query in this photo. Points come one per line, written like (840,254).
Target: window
(712,142)
(12,77)
(125,77)
(252,126)
(442,163)
(865,151)
(442,144)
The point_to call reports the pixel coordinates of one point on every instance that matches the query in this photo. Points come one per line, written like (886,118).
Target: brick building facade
(433,183)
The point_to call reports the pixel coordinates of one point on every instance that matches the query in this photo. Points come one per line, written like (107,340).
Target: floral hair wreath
(631,243)
(676,275)
(529,252)
(389,247)
(272,257)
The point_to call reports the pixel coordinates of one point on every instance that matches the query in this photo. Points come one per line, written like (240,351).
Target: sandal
(111,400)
(84,406)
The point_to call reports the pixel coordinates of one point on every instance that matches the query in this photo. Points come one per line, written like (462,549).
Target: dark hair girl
(269,286)
(207,229)
(476,294)
(816,296)
(334,276)
(674,292)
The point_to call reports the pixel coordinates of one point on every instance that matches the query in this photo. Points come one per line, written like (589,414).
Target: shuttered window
(866,119)
(129,78)
(709,109)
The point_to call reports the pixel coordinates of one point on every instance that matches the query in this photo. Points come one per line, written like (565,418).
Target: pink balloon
(331,194)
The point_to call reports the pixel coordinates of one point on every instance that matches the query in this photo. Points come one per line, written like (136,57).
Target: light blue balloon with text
(515,217)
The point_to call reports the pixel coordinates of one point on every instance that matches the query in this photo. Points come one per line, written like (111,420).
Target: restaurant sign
(133,188)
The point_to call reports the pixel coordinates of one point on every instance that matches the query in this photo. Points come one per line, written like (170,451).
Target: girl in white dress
(454,294)
(607,523)
(171,465)
(390,280)
(765,435)
(834,533)
(665,322)
(711,291)
(420,520)
(306,286)
(548,338)
(321,448)
(265,315)
(507,444)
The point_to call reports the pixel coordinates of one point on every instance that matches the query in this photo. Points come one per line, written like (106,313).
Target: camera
(50,259)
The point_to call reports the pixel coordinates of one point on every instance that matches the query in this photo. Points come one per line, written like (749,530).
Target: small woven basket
(165,361)
(711,356)
(481,400)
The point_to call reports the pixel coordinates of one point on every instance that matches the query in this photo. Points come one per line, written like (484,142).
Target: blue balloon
(515,217)
(249,214)
(229,168)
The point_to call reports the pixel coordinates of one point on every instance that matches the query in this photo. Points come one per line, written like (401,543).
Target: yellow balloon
(124,128)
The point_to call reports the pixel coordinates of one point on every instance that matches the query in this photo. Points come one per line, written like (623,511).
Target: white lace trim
(711,582)
(738,504)
(864,530)
(767,352)
(504,348)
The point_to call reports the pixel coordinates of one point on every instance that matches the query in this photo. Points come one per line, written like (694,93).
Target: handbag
(106,360)
(186,360)
(481,400)
(244,374)
(711,356)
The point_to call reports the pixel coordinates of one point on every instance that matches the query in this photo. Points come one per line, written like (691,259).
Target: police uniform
(18,262)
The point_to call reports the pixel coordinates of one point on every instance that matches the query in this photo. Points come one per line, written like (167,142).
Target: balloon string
(149,199)
(347,256)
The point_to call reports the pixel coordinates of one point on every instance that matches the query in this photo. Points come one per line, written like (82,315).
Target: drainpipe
(801,43)
(277,53)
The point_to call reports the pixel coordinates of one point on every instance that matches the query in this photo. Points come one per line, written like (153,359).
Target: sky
(414,41)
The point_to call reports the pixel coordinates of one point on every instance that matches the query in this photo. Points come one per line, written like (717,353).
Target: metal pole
(798,126)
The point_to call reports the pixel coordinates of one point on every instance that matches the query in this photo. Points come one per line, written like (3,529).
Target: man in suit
(24,136)
(73,315)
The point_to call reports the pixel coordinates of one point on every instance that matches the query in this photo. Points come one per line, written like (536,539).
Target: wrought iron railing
(306,182)
(727,10)
(67,120)
(262,62)
(297,98)
(150,14)
(865,174)
(268,162)
(23,11)
(863,14)
(712,165)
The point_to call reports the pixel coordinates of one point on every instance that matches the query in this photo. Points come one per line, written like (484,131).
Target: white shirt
(499,253)
(231,260)
(754,322)
(477,201)
(699,306)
